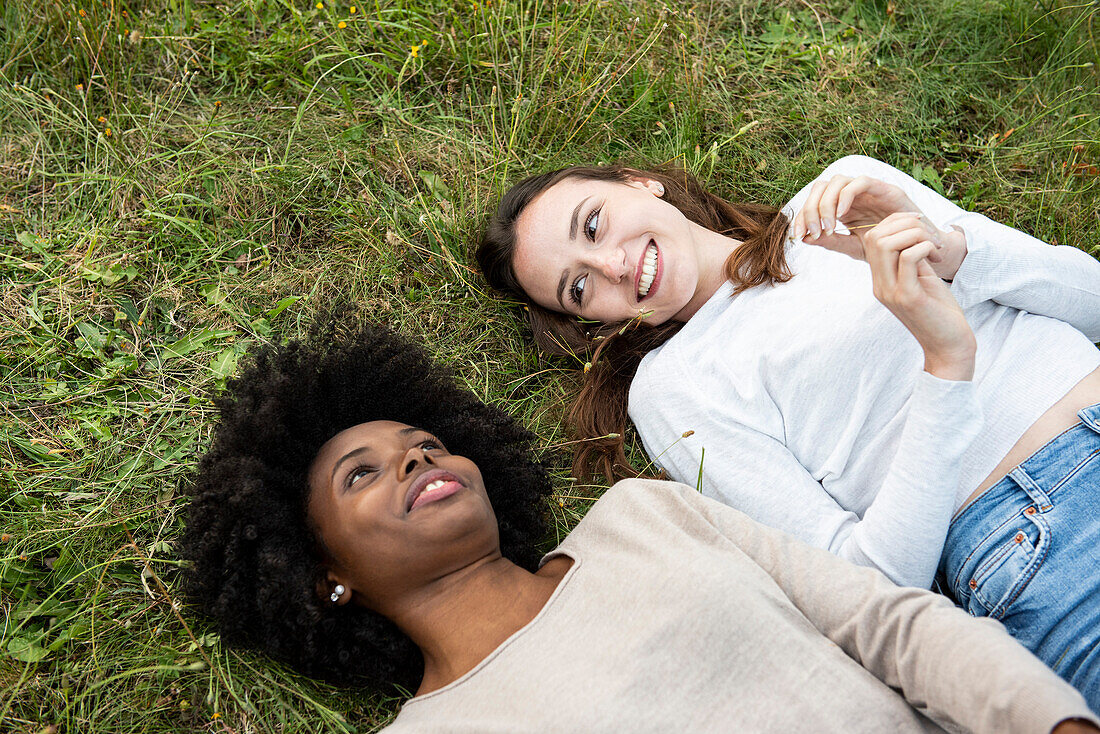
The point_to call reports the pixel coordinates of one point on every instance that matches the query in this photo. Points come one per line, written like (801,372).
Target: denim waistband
(1042,473)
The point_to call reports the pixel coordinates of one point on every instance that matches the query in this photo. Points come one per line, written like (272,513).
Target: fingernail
(827,225)
(815,230)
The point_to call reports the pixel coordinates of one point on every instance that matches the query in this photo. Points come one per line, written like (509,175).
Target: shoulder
(860,165)
(661,376)
(644,496)
(854,166)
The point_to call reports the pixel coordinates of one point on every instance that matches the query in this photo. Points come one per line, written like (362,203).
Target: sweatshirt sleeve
(1014,269)
(902,532)
(1002,264)
(955,668)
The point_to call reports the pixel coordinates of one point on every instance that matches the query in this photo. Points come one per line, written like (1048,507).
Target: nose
(612,264)
(411,460)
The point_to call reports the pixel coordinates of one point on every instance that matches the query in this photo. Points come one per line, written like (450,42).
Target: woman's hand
(859,204)
(898,249)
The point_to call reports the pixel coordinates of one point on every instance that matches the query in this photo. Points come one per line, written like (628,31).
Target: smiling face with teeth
(393,508)
(608,250)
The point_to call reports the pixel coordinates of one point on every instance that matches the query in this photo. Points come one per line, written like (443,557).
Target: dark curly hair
(255,564)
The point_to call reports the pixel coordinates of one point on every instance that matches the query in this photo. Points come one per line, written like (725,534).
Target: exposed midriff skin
(1058,418)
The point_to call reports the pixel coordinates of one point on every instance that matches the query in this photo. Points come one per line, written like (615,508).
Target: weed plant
(180,179)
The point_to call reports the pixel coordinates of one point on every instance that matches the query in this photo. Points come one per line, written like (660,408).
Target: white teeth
(434,486)
(649,271)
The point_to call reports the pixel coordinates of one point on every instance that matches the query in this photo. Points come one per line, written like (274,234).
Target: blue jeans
(1027,552)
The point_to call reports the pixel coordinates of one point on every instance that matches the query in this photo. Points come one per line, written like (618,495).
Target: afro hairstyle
(254,562)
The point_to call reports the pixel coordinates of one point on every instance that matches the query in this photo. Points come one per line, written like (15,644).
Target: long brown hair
(598,415)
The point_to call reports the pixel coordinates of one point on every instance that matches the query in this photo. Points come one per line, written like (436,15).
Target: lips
(431,486)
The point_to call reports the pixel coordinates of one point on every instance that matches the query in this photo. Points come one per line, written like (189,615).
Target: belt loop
(1090,416)
(1033,490)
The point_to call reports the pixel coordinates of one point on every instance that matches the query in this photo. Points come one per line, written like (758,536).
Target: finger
(826,206)
(909,261)
(848,194)
(809,209)
(901,240)
(882,253)
(924,270)
(798,225)
(895,223)
(932,283)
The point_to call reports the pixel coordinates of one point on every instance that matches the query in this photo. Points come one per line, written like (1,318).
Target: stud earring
(660,189)
(337,593)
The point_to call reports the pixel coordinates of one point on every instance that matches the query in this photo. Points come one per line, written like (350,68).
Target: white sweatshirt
(810,409)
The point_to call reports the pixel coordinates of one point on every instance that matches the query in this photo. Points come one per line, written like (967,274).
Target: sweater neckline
(515,636)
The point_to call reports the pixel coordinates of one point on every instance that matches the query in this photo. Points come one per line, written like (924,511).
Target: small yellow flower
(423,41)
(353,10)
(218,105)
(82,13)
(414,51)
(107,133)
(80,87)
(341,24)
(216,715)
(101,119)
(320,6)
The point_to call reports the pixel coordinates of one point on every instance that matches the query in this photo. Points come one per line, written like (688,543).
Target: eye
(576,293)
(430,445)
(358,473)
(592,224)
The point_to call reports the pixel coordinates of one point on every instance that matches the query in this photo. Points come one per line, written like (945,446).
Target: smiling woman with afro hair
(256,563)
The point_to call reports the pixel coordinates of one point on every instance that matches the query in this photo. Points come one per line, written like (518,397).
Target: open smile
(431,486)
(648,274)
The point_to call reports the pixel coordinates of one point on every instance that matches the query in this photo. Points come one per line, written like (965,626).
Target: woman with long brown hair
(872,369)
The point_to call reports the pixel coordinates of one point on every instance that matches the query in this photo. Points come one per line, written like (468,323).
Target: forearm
(957,669)
(1009,267)
(903,531)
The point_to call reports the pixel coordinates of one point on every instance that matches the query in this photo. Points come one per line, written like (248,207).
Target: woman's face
(607,251)
(396,511)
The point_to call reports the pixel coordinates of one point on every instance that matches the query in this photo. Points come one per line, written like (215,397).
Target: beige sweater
(680,614)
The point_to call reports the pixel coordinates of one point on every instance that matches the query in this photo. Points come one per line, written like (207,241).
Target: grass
(180,179)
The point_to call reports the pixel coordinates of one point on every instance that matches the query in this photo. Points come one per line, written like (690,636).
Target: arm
(901,533)
(984,259)
(1014,269)
(952,666)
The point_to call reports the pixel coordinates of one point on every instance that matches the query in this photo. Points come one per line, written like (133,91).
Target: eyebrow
(406,431)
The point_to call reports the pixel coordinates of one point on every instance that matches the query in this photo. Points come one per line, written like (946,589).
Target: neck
(713,250)
(459,619)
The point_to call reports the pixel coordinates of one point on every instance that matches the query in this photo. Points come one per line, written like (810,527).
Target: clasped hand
(908,256)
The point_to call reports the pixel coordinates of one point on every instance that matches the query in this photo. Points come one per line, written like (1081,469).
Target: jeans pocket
(1012,555)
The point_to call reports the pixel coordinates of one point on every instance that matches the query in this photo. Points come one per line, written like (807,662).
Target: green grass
(262,161)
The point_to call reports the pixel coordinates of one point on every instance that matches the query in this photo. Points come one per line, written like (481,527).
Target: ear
(654,187)
(334,583)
